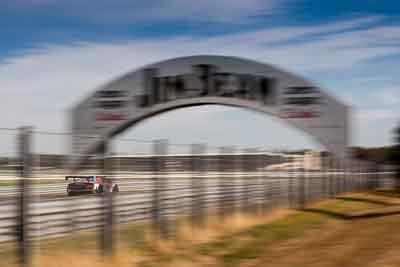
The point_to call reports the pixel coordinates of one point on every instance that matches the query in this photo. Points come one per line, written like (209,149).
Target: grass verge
(234,242)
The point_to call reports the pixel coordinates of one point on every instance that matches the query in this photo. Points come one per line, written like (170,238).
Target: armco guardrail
(138,182)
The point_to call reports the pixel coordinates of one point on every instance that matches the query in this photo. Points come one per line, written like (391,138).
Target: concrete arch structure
(207,80)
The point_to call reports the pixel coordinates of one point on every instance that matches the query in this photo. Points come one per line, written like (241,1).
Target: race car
(90,185)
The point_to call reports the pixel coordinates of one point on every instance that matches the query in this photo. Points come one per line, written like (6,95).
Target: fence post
(245,169)
(221,181)
(159,222)
(345,176)
(336,179)
(331,191)
(302,191)
(359,180)
(351,175)
(377,176)
(323,177)
(108,200)
(340,176)
(356,175)
(265,186)
(230,183)
(291,188)
(307,186)
(371,179)
(234,187)
(197,184)
(260,175)
(25,134)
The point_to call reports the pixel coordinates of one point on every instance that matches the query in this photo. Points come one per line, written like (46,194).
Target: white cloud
(158,10)
(271,36)
(374,126)
(375,115)
(371,116)
(42,83)
(389,96)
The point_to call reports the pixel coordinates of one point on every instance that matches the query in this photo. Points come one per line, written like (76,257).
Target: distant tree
(375,154)
(397,153)
(397,136)
(394,155)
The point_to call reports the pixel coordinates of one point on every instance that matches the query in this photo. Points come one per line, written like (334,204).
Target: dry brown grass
(330,244)
(60,252)
(128,258)
(215,227)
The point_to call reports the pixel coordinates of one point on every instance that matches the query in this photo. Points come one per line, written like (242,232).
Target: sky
(54,52)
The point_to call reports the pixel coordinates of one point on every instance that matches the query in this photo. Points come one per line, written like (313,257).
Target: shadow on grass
(388,192)
(353,207)
(333,214)
(367,200)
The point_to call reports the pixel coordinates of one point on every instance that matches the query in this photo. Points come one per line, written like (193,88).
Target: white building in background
(312,161)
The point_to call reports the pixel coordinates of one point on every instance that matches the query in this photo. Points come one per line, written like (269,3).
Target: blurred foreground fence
(161,185)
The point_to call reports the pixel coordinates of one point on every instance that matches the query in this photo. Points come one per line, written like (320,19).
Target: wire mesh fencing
(157,185)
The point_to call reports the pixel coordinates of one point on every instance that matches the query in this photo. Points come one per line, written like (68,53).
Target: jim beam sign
(200,80)
(205,80)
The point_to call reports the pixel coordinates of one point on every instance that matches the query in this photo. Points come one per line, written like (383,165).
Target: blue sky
(53,52)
